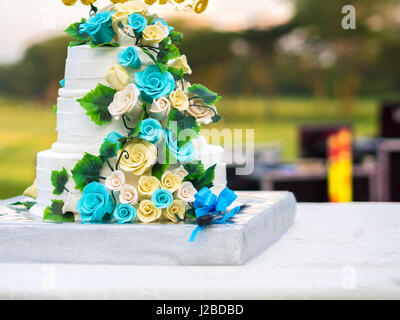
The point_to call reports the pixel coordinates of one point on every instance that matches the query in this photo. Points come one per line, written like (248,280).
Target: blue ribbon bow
(211,209)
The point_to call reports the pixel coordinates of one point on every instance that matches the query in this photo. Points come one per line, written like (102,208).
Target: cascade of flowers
(149,171)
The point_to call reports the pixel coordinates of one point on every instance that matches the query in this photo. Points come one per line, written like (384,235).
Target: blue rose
(150,130)
(99,27)
(114,137)
(154,84)
(137,22)
(183,154)
(124,213)
(164,23)
(129,57)
(95,203)
(162,198)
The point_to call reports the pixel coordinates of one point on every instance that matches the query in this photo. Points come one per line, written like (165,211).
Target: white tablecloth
(332,251)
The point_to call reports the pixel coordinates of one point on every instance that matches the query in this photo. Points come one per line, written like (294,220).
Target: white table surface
(348,251)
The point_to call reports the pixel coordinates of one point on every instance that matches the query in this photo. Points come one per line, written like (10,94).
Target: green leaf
(77,43)
(159,169)
(136,131)
(96,104)
(177,73)
(108,150)
(177,122)
(54,212)
(163,67)
(59,179)
(86,171)
(107,44)
(73,31)
(176,37)
(202,180)
(168,51)
(194,167)
(209,97)
(26,204)
(216,118)
(55,108)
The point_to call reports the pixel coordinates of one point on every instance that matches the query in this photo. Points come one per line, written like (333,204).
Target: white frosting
(85,69)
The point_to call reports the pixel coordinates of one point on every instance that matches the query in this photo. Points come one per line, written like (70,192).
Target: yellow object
(118,1)
(148,212)
(88,2)
(177,209)
(200,6)
(340,166)
(69,2)
(31,192)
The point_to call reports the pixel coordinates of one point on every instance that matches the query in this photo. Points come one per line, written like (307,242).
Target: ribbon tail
(195,232)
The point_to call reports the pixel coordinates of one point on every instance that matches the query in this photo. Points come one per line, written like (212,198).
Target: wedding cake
(129,146)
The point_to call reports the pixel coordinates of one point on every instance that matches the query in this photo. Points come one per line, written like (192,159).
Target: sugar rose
(175,211)
(186,192)
(115,181)
(181,172)
(126,101)
(179,100)
(181,63)
(159,109)
(170,181)
(117,77)
(153,34)
(147,185)
(203,114)
(128,194)
(138,157)
(148,212)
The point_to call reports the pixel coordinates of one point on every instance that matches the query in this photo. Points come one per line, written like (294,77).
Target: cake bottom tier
(50,160)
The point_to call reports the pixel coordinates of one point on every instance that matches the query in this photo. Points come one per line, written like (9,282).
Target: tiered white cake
(85,69)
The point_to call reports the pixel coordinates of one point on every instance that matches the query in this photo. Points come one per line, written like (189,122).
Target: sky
(25,22)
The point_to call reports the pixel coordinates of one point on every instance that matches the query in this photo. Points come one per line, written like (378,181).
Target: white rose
(184,85)
(180,63)
(115,181)
(126,101)
(204,114)
(186,192)
(181,172)
(179,100)
(153,34)
(159,109)
(117,77)
(128,194)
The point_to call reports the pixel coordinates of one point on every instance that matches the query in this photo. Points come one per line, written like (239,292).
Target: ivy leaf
(107,44)
(177,122)
(55,108)
(209,97)
(59,179)
(202,180)
(176,37)
(163,67)
(96,104)
(73,31)
(177,73)
(54,212)
(194,167)
(168,51)
(160,168)
(86,171)
(216,118)
(26,204)
(77,43)
(108,150)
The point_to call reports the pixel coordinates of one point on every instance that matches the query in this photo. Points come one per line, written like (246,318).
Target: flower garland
(148,172)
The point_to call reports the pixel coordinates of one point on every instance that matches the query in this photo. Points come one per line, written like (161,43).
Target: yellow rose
(175,211)
(132,6)
(181,63)
(117,77)
(138,157)
(31,192)
(179,100)
(147,185)
(148,212)
(170,181)
(154,34)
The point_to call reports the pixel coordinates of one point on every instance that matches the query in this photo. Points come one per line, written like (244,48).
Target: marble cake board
(268,216)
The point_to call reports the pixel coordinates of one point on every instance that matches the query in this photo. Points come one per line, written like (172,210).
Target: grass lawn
(27,128)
